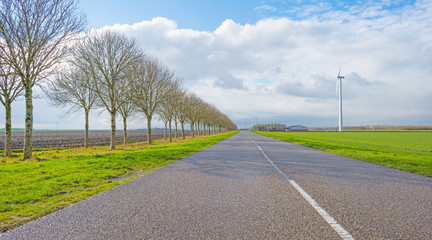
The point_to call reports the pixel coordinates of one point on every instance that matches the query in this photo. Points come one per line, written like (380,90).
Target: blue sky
(277,60)
(208,15)
(198,15)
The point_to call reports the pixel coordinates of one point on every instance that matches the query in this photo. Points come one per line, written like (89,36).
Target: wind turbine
(339,87)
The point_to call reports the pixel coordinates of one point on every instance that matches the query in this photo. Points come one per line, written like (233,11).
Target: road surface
(251,187)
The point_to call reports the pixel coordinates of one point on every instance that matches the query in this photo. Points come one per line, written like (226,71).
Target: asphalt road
(232,191)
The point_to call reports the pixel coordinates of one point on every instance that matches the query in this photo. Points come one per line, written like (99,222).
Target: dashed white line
(329,219)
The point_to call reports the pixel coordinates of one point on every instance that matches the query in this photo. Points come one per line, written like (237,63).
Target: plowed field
(47,139)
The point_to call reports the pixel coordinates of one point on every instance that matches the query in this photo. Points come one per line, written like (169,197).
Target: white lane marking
(329,219)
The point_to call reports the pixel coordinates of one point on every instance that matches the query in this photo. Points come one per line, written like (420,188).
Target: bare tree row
(100,70)
(183,107)
(108,70)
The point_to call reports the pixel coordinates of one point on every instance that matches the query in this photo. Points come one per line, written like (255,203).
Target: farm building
(296,128)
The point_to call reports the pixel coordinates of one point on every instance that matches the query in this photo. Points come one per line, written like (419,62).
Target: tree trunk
(198,129)
(86,129)
(175,133)
(113,131)
(28,94)
(165,131)
(125,141)
(192,129)
(170,135)
(8,129)
(149,139)
(183,133)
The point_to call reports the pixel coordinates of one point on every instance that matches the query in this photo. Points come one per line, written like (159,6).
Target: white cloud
(263,10)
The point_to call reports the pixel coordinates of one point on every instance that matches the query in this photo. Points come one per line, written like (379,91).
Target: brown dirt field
(49,139)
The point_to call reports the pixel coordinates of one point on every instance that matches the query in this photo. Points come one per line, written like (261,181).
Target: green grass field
(56,178)
(407,151)
(404,140)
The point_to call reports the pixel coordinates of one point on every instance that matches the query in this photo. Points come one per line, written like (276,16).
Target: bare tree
(10,88)
(192,102)
(108,56)
(178,103)
(164,119)
(74,87)
(181,110)
(211,115)
(167,110)
(206,114)
(35,35)
(152,84)
(126,110)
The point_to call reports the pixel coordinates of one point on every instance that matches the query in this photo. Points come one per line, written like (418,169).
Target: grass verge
(414,161)
(57,178)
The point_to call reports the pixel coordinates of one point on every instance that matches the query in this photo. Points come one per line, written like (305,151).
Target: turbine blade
(339,71)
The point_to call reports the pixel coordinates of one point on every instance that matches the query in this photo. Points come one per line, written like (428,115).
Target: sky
(277,60)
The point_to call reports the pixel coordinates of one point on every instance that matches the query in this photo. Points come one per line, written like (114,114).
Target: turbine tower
(339,87)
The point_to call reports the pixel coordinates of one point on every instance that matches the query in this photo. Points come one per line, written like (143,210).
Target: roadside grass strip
(406,151)
(57,178)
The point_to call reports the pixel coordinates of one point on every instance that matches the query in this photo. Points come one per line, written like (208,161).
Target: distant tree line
(269,127)
(41,39)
